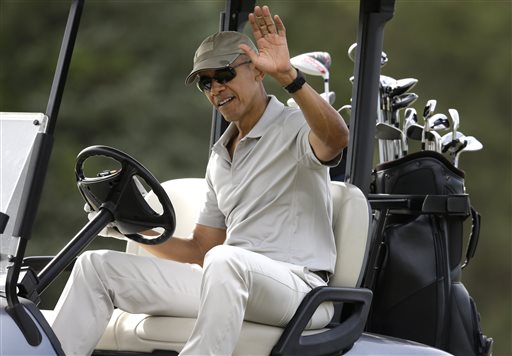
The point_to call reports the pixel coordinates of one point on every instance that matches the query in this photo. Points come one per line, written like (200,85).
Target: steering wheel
(121,192)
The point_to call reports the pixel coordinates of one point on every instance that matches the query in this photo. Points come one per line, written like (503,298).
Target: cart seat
(145,334)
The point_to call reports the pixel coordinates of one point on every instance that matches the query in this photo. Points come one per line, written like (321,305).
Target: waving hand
(270,34)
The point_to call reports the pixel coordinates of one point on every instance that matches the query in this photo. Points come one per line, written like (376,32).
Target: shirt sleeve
(210,214)
(306,154)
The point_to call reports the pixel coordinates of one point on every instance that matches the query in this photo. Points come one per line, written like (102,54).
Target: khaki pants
(235,284)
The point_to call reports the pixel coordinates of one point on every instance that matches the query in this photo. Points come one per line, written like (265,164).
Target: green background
(126,89)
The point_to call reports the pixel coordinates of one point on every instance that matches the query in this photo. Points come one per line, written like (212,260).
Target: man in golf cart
(263,239)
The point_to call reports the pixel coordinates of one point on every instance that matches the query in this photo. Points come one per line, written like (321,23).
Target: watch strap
(297,83)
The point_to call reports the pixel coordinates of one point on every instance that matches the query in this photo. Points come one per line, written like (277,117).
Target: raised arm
(329,133)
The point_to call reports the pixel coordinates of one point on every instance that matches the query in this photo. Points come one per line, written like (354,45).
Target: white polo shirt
(273,198)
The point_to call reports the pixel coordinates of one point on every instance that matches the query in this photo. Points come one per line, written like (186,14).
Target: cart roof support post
(233,18)
(373,15)
(36,172)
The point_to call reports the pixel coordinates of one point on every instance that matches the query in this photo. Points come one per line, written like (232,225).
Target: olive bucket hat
(217,51)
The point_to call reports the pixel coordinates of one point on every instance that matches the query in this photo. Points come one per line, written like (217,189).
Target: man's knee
(93,262)
(89,258)
(224,260)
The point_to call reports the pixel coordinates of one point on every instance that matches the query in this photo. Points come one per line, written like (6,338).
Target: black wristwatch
(297,83)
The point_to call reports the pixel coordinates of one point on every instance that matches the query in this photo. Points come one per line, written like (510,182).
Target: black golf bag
(416,259)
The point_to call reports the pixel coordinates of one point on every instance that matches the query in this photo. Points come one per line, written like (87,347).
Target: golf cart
(121,198)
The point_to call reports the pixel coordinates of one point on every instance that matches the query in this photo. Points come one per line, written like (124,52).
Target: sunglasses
(221,76)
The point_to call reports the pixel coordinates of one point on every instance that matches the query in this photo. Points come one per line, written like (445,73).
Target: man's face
(233,99)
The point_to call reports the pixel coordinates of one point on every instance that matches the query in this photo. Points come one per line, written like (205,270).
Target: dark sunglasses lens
(221,76)
(224,75)
(205,83)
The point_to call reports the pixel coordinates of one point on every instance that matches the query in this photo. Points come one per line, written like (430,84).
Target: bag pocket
(465,335)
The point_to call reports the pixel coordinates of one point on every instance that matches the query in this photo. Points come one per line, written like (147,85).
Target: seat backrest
(187,197)
(351,223)
(351,226)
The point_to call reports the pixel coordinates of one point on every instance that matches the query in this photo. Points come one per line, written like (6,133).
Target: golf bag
(416,259)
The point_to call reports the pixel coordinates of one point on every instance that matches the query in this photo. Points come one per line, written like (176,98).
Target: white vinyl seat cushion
(144,333)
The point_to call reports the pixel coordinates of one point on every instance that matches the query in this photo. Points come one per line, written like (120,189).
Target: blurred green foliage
(126,89)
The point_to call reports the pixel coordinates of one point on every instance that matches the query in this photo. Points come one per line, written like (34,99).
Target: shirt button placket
(235,162)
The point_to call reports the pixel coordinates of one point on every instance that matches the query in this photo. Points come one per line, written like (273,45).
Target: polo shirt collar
(273,110)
